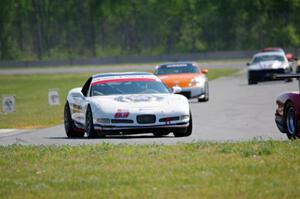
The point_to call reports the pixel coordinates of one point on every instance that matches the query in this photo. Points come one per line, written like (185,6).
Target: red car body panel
(281,101)
(290,57)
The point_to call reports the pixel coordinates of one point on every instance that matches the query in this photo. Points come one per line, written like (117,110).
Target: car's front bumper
(193,92)
(266,74)
(111,129)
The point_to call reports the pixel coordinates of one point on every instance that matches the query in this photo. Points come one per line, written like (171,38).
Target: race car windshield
(268,58)
(128,87)
(175,69)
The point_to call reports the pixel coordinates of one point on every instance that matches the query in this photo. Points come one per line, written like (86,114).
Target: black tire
(290,121)
(71,130)
(251,82)
(206,95)
(289,80)
(89,124)
(185,132)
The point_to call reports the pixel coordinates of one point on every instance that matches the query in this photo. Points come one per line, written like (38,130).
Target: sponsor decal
(111,75)
(8,104)
(125,79)
(53,97)
(121,114)
(76,108)
(140,98)
(176,65)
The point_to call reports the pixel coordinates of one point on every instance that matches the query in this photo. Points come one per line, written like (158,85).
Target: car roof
(99,75)
(180,62)
(272,49)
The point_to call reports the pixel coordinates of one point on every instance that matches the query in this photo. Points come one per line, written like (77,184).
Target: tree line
(60,29)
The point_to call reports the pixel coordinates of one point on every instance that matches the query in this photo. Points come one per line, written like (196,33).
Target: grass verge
(198,170)
(32,109)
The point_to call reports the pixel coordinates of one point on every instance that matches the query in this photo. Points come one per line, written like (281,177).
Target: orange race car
(187,75)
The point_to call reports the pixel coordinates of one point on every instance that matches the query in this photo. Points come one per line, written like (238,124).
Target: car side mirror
(204,71)
(176,89)
(248,64)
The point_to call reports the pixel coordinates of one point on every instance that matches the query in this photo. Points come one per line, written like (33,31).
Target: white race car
(265,65)
(126,103)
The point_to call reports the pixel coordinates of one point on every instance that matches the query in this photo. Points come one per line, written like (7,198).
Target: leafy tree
(69,29)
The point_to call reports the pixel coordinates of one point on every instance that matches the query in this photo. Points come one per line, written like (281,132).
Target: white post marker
(8,103)
(53,97)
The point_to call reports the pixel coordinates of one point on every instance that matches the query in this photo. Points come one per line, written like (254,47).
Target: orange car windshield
(176,69)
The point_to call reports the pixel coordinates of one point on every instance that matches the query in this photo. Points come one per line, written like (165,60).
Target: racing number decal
(121,114)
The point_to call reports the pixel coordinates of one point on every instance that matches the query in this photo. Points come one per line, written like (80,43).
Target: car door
(77,108)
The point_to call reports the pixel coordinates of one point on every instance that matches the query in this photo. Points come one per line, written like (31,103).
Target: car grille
(266,74)
(121,121)
(146,119)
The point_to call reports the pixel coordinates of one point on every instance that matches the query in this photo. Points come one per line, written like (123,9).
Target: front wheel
(289,80)
(70,128)
(206,95)
(89,124)
(185,132)
(290,121)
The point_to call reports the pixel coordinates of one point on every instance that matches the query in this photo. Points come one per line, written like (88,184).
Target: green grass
(32,109)
(254,169)
(31,91)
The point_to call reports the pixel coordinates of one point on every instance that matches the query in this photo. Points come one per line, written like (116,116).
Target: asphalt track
(235,112)
(111,68)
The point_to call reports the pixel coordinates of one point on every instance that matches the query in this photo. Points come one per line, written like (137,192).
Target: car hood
(136,103)
(182,80)
(268,65)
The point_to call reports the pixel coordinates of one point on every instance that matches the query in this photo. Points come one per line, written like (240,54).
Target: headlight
(184,117)
(198,81)
(103,120)
(286,66)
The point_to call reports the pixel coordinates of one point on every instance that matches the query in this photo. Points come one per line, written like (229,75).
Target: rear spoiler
(288,76)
